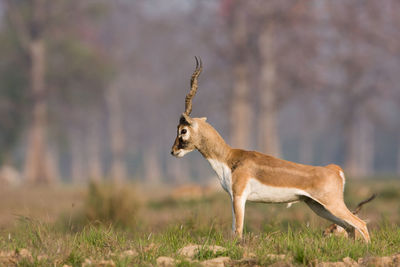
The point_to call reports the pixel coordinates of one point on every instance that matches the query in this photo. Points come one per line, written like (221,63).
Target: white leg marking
(290,204)
(341,174)
(233,217)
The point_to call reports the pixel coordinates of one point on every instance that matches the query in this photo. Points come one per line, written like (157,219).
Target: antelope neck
(212,146)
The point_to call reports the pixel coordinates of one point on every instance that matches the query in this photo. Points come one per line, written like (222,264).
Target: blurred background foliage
(92,90)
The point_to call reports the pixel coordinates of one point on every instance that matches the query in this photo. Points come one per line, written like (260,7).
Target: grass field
(133,225)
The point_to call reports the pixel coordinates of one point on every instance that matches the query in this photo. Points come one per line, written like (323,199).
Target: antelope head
(188,128)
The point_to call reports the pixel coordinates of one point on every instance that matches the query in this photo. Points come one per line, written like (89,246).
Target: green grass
(102,242)
(111,221)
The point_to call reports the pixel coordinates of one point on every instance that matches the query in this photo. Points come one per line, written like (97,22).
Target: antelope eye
(183,131)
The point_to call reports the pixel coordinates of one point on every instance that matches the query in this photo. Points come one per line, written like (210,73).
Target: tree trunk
(366,148)
(95,170)
(306,148)
(359,147)
(350,144)
(77,158)
(268,138)
(398,155)
(308,133)
(241,108)
(37,165)
(53,163)
(152,166)
(118,167)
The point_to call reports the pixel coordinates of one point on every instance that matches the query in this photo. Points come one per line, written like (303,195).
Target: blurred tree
(268,137)
(398,157)
(241,116)
(273,27)
(61,68)
(29,20)
(79,74)
(125,78)
(117,135)
(357,29)
(13,93)
(114,45)
(95,166)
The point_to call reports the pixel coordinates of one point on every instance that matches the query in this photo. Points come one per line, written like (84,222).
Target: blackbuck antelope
(250,175)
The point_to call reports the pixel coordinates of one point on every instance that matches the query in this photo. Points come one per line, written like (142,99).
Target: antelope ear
(203,118)
(185,119)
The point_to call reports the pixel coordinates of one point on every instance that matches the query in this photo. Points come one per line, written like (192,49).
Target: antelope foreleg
(239,203)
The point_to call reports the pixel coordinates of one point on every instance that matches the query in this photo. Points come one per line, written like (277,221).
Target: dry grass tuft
(111,204)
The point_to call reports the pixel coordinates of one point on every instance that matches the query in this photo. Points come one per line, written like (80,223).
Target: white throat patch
(224,174)
(182,152)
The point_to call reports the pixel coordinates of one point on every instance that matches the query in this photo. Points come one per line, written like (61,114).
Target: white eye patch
(184,133)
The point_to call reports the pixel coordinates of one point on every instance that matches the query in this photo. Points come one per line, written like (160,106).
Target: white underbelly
(259,192)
